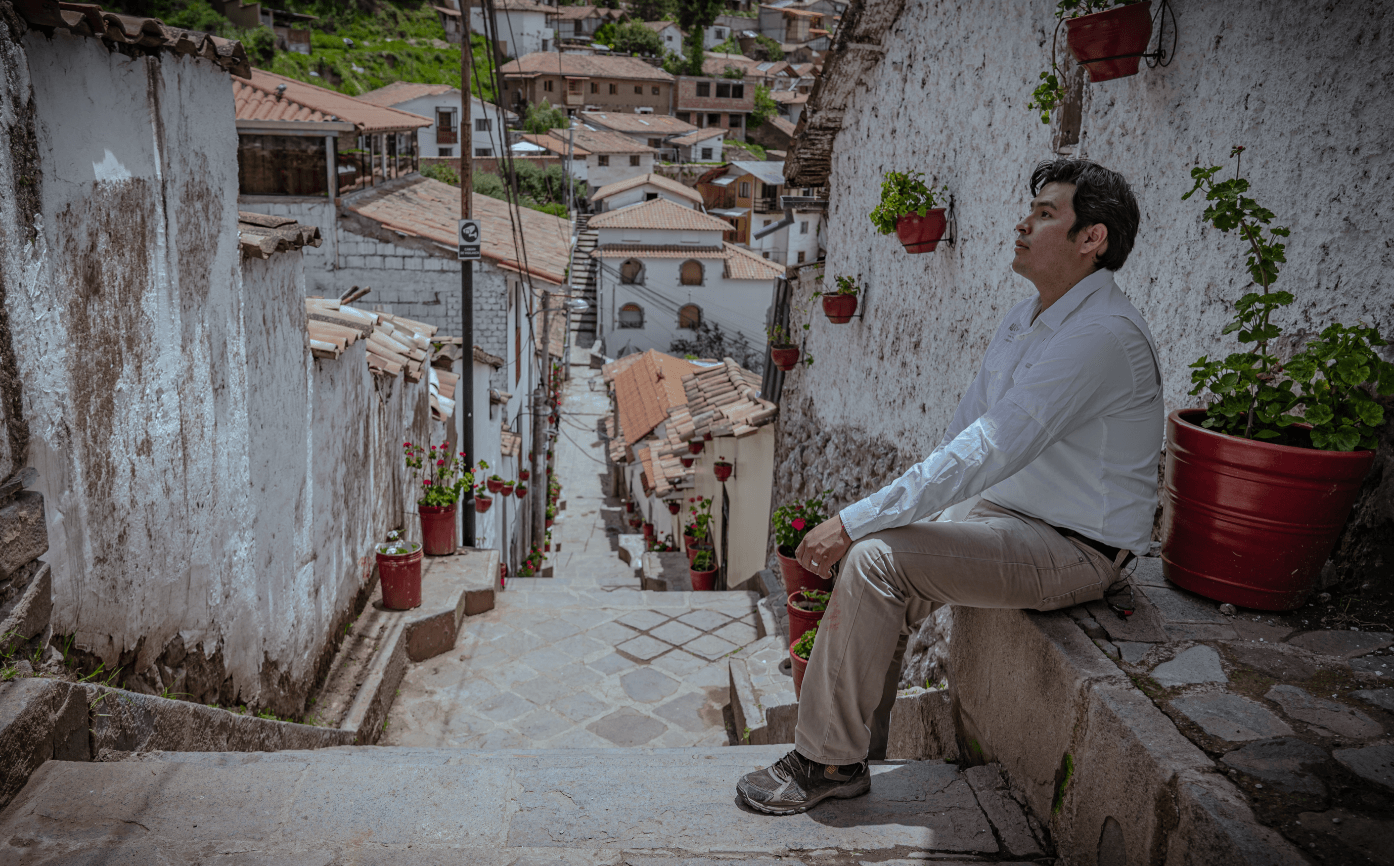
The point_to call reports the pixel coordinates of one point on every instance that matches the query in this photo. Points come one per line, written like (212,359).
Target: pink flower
(406,444)
(440,462)
(799,523)
(427,482)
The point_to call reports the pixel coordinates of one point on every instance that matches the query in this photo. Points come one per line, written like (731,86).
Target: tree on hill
(765,106)
(630,38)
(766,48)
(652,10)
(695,16)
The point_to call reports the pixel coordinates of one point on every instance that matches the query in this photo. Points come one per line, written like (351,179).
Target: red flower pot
(800,668)
(706,437)
(703,581)
(548,523)
(839,308)
(722,471)
(695,547)
(921,234)
(1251,523)
(687,460)
(437,529)
(796,577)
(1121,33)
(688,541)
(400,577)
(674,507)
(696,447)
(648,530)
(524,474)
(800,620)
(507,490)
(482,503)
(547,548)
(494,486)
(784,357)
(629,507)
(521,493)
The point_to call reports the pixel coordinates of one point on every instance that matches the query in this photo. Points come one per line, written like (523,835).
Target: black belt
(1106,550)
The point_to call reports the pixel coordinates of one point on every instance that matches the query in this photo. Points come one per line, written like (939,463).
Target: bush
(541,117)
(765,106)
(443,172)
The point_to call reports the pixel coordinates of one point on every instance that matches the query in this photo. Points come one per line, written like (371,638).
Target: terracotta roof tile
(334,105)
(654,124)
(582,65)
(725,401)
(658,180)
(260,235)
(623,251)
(256,103)
(659,214)
(646,390)
(599,141)
(150,34)
(742,264)
(403,91)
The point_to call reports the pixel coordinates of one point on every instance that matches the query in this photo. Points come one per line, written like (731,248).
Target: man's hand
(823,546)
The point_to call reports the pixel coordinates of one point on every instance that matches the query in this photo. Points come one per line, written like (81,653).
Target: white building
(665,271)
(597,157)
(655,130)
(669,32)
(702,145)
(440,103)
(521,26)
(648,187)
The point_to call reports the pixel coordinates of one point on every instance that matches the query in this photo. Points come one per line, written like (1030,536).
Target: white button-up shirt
(1063,422)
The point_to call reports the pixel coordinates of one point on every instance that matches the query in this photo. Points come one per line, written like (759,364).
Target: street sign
(469,236)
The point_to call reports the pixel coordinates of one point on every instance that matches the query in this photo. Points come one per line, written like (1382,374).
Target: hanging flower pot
(629,506)
(695,447)
(839,308)
(1110,43)
(524,474)
(494,484)
(784,357)
(399,574)
(674,506)
(507,488)
(707,437)
(921,234)
(806,608)
(1252,523)
(437,529)
(722,470)
(548,523)
(686,460)
(482,503)
(522,491)
(648,530)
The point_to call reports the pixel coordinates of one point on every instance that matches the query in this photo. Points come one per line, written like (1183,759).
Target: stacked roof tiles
(260,235)
(725,401)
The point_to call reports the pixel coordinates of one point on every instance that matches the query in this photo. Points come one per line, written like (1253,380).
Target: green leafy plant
(803,647)
(765,107)
(441,171)
(1050,92)
(395,545)
(795,520)
(1253,394)
(704,560)
(700,527)
(814,600)
(845,286)
(441,473)
(903,193)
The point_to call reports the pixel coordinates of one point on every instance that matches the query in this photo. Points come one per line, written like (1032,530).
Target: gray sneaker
(795,784)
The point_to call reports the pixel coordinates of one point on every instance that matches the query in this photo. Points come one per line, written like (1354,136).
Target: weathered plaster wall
(315,211)
(21,181)
(1305,88)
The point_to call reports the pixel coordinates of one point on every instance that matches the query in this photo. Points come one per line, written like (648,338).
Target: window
(546,45)
(655,143)
(723,90)
(603,160)
(766,255)
(631,316)
(691,274)
(704,88)
(803,227)
(284,165)
(445,151)
(632,272)
(634,159)
(738,91)
(655,90)
(483,151)
(685,116)
(445,119)
(690,317)
(650,196)
(547,86)
(745,189)
(706,154)
(721,33)
(483,124)
(735,121)
(614,89)
(595,87)
(638,90)
(713,120)
(802,254)
(574,85)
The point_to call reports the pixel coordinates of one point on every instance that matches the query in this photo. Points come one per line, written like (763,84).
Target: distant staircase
(583,276)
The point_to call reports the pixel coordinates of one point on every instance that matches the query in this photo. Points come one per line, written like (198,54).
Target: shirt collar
(1055,315)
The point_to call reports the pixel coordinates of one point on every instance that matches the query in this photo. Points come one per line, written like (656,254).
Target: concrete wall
(748,491)
(1299,86)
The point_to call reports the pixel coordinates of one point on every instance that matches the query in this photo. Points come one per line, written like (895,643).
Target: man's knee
(869,558)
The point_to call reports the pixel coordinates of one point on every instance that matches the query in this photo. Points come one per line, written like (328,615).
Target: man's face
(1043,246)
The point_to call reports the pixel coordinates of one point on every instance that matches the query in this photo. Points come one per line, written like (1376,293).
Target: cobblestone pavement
(583,659)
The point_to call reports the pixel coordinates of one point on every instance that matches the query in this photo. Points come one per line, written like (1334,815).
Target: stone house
(441,104)
(590,82)
(644,188)
(664,271)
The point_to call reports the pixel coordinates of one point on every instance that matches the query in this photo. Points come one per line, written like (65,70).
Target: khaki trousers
(990,557)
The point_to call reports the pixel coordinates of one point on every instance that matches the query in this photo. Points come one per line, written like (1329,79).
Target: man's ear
(1094,240)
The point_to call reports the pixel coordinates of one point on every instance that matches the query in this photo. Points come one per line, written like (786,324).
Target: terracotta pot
(839,308)
(693,549)
(688,541)
(800,620)
(921,234)
(547,548)
(400,576)
(674,507)
(706,437)
(521,493)
(648,530)
(784,357)
(702,581)
(1121,33)
(796,577)
(437,529)
(1252,523)
(524,474)
(549,523)
(507,490)
(800,667)
(696,447)
(687,461)
(494,486)
(722,471)
(629,507)
(482,503)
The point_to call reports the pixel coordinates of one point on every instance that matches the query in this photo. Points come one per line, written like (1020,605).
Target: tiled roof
(783,125)
(596,141)
(646,390)
(658,251)
(510,443)
(715,63)
(554,144)
(395,344)
(428,208)
(789,96)
(660,26)
(664,469)
(251,102)
(576,13)
(587,65)
(260,236)
(658,180)
(699,135)
(659,214)
(336,106)
(402,91)
(725,401)
(658,124)
(742,264)
(615,367)
(484,357)
(150,34)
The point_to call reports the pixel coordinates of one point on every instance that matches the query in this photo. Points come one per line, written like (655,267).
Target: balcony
(447,136)
(573,100)
(767,204)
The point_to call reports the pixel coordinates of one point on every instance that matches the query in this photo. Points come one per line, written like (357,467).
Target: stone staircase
(583,275)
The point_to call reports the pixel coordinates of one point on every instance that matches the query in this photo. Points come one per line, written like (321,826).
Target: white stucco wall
(748,491)
(521,32)
(496,138)
(1299,86)
(641,193)
(736,305)
(310,211)
(619,169)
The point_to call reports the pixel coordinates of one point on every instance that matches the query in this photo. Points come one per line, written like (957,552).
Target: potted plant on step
(1260,481)
(791,523)
(806,608)
(722,469)
(399,572)
(799,654)
(700,530)
(703,570)
(1107,37)
(840,305)
(443,477)
(911,211)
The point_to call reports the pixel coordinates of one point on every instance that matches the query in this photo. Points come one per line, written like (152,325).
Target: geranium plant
(903,193)
(441,474)
(1327,385)
(803,647)
(705,560)
(814,600)
(845,286)
(701,518)
(795,520)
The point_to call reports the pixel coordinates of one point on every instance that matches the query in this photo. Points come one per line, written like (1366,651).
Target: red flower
(406,444)
(798,523)
(427,482)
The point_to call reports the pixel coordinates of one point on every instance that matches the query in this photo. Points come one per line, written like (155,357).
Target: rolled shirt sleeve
(1081,375)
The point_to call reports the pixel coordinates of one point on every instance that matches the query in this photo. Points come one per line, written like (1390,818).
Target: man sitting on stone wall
(1051,462)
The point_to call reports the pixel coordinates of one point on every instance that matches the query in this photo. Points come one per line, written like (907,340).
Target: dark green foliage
(765,106)
(694,16)
(443,172)
(652,10)
(630,38)
(541,116)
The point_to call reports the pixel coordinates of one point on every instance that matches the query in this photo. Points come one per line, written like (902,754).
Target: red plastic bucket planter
(521,492)
(921,234)
(839,308)
(800,667)
(800,620)
(1252,523)
(494,486)
(796,577)
(400,577)
(437,529)
(784,357)
(1121,34)
(703,581)
(482,503)
(674,507)
(696,446)
(722,471)
(692,550)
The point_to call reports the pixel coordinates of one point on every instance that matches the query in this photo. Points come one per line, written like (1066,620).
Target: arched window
(632,272)
(631,316)
(692,273)
(690,317)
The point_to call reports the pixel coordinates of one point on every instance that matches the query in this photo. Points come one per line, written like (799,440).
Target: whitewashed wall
(496,138)
(311,211)
(1304,88)
(736,305)
(619,169)
(521,32)
(640,194)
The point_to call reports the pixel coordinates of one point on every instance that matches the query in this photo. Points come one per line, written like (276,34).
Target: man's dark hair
(1101,196)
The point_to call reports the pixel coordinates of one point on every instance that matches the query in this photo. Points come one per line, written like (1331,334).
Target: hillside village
(365,443)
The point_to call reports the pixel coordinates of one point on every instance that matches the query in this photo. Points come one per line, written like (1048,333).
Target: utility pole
(542,490)
(465,401)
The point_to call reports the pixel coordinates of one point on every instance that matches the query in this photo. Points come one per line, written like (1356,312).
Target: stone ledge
(40,720)
(452,587)
(23,533)
(665,572)
(30,613)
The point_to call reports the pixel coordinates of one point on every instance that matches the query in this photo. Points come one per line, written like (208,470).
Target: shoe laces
(794,766)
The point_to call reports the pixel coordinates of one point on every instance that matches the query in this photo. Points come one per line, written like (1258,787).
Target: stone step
(418,806)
